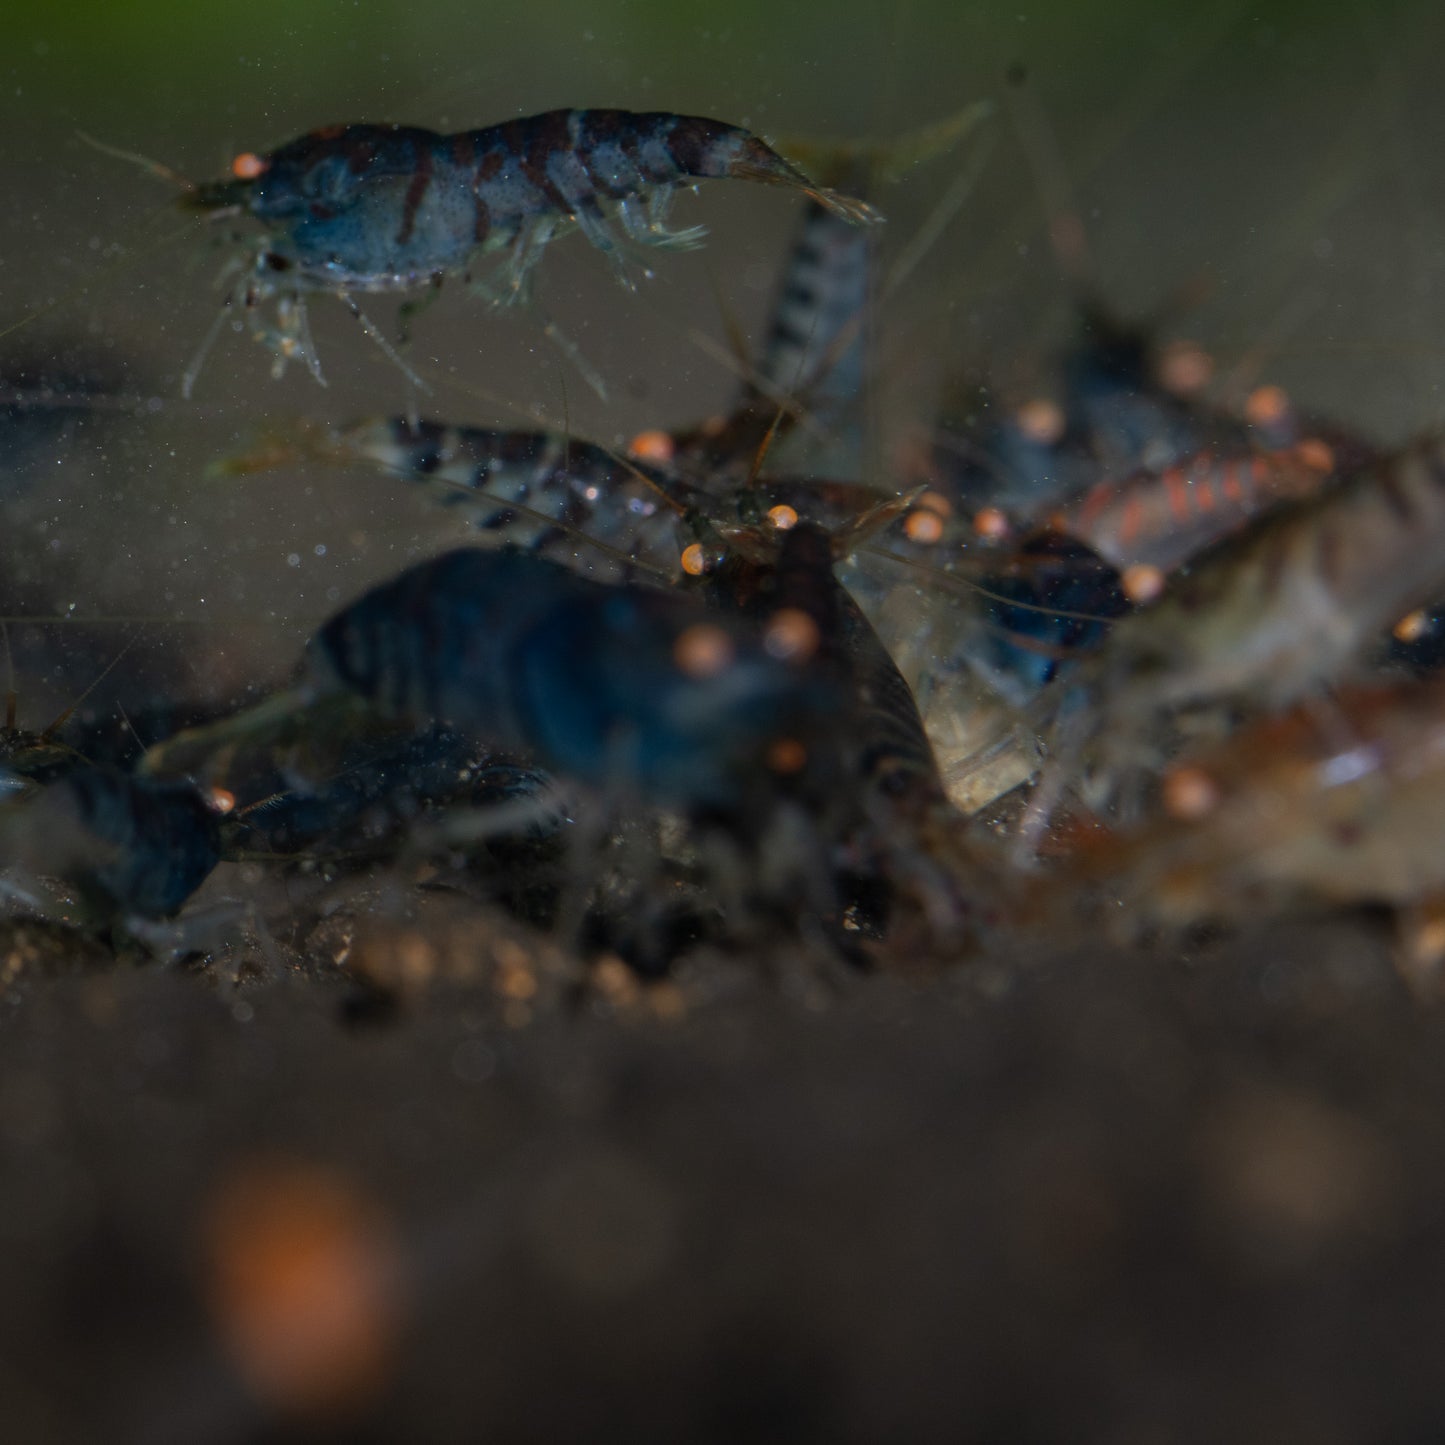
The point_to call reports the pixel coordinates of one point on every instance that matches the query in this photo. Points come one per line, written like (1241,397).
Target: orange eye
(694,560)
(1318,456)
(1041,421)
(1189,794)
(782,516)
(1142,582)
(652,446)
(990,523)
(1185,368)
(1412,626)
(703,650)
(924,526)
(1267,406)
(247,166)
(787,755)
(791,635)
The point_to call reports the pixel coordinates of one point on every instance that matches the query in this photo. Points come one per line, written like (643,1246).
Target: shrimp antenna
(156,168)
(100,678)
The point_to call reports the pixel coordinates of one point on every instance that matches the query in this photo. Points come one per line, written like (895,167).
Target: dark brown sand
(1089,1196)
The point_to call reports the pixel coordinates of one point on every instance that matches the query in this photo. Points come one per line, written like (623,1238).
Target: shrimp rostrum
(352,209)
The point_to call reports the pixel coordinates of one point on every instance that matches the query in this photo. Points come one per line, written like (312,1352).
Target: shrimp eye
(248,166)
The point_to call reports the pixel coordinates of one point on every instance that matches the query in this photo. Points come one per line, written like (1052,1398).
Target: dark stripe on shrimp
(420,180)
(540,139)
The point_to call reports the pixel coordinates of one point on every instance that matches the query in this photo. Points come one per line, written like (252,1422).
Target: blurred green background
(1277,165)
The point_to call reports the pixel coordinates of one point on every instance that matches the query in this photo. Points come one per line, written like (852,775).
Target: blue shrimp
(355,209)
(636,691)
(129,846)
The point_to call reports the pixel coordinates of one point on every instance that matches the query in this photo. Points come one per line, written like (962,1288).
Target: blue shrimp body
(375,208)
(620,687)
(129,845)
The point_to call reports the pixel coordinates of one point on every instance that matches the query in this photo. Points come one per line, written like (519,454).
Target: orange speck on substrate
(248,166)
(1267,406)
(702,650)
(1142,582)
(791,635)
(302,1280)
(923,526)
(1411,627)
(1189,793)
(694,559)
(652,446)
(783,517)
(787,755)
(991,523)
(1317,455)
(1041,420)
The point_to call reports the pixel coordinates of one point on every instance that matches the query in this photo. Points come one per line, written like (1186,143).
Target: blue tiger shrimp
(364,208)
(626,688)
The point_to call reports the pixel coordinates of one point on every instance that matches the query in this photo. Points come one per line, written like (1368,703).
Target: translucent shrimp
(1324,804)
(1266,618)
(359,209)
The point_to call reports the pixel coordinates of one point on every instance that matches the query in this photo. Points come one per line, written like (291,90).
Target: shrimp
(136,846)
(634,690)
(378,785)
(1159,520)
(357,209)
(1321,805)
(1267,617)
(551,493)
(540,491)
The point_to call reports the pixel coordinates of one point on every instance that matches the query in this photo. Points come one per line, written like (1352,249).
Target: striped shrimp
(1159,520)
(1265,618)
(612,517)
(636,690)
(354,209)
(540,491)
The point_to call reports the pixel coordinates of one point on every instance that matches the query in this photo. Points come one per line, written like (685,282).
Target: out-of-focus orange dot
(783,517)
(990,523)
(302,1278)
(1411,627)
(652,446)
(1317,455)
(1185,368)
(702,650)
(1267,406)
(222,800)
(791,635)
(1189,793)
(924,526)
(936,502)
(248,166)
(786,756)
(1040,420)
(1142,582)
(694,559)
